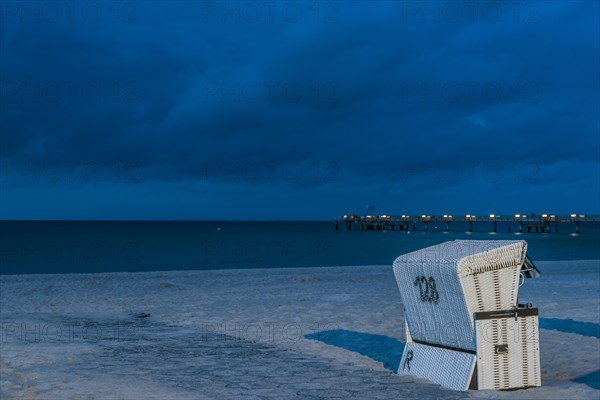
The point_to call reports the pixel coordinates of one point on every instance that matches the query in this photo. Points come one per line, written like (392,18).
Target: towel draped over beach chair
(461,310)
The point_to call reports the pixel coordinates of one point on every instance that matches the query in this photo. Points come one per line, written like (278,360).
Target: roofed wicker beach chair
(464,326)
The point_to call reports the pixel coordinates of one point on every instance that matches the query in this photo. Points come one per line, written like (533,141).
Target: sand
(332,332)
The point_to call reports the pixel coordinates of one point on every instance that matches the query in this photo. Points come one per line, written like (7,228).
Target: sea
(59,247)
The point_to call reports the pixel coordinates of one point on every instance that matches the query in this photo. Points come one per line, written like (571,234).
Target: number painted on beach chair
(427,289)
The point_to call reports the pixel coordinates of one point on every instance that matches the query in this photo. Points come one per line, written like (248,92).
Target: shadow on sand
(571,326)
(380,348)
(388,350)
(580,328)
(592,379)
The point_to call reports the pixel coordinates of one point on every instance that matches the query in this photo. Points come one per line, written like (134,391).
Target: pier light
(423,216)
(445,216)
(581,216)
(547,218)
(517,215)
(468,216)
(492,216)
(573,215)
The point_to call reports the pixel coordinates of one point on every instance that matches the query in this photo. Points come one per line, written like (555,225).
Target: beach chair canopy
(444,285)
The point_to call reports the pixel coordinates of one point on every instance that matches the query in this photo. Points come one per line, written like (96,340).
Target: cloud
(371,91)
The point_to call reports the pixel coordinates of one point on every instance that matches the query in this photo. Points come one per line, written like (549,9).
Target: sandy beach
(306,333)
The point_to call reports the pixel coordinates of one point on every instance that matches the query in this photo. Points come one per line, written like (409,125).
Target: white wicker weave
(516,367)
(451,369)
(443,285)
(442,288)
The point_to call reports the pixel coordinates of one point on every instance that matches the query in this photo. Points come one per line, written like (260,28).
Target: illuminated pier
(539,223)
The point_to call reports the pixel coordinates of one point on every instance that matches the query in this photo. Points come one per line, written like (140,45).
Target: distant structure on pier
(543,223)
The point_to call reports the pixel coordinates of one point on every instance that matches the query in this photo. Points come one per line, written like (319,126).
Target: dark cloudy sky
(298,110)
